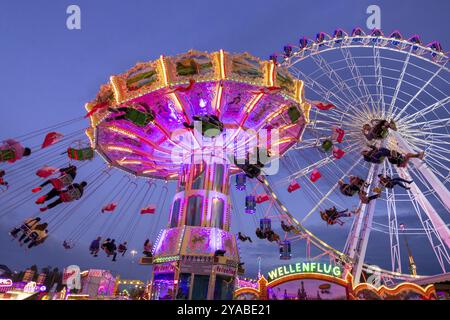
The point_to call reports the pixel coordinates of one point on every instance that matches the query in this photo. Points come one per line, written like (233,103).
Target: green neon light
(167,259)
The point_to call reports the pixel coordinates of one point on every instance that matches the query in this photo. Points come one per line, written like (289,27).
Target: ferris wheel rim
(363,41)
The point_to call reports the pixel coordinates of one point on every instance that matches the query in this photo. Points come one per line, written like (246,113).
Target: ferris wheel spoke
(339,83)
(358,78)
(397,116)
(326,94)
(432,124)
(326,196)
(437,232)
(318,164)
(399,83)
(379,82)
(423,112)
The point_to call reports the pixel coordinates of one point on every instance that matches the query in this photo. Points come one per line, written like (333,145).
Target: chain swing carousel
(198,118)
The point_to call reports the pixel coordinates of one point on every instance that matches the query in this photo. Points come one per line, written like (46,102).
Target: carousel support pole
(359,237)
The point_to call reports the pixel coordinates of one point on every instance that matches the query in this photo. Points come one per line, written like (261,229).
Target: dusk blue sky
(48,72)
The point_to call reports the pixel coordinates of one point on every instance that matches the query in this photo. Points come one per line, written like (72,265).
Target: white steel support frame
(396,263)
(358,238)
(437,232)
(438,186)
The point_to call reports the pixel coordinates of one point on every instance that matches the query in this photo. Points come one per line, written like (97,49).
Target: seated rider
(287,228)
(148,248)
(65,179)
(378,129)
(349,189)
(332,216)
(34,233)
(26,226)
(211,125)
(2,180)
(105,244)
(244,238)
(67,245)
(110,249)
(122,248)
(377,156)
(95,246)
(41,235)
(365,199)
(139,114)
(71,193)
(11,151)
(401,160)
(260,234)
(390,183)
(272,236)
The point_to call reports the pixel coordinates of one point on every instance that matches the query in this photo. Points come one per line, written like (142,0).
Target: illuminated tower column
(196,257)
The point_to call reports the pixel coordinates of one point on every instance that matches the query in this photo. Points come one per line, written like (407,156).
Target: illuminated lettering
(305,267)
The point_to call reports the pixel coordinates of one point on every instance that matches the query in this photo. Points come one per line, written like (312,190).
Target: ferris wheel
(365,78)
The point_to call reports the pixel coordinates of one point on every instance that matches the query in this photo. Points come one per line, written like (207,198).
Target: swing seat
(315,175)
(265,225)
(139,118)
(293,114)
(81,154)
(294,185)
(146,260)
(62,182)
(285,250)
(338,153)
(260,198)
(7,155)
(250,204)
(240,181)
(326,145)
(70,195)
(211,130)
(338,135)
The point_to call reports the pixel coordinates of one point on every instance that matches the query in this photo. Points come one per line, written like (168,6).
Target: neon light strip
(253,103)
(271,74)
(139,137)
(222,64)
(118,148)
(163,65)
(218,102)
